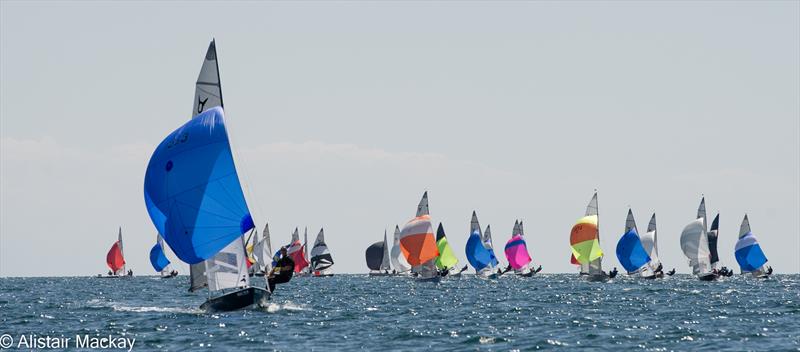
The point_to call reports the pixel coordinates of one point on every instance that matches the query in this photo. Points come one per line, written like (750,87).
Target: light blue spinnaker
(477,254)
(631,253)
(192,190)
(157,257)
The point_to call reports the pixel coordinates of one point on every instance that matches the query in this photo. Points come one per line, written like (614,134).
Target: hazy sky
(342,113)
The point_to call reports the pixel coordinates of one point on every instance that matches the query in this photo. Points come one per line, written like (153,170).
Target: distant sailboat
(650,244)
(585,244)
(377,256)
(748,252)
(516,251)
(447,261)
(321,259)
(159,260)
(262,251)
(397,257)
(194,198)
(115,259)
(631,252)
(418,244)
(481,258)
(297,252)
(694,243)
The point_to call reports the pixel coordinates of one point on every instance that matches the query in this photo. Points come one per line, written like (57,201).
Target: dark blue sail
(157,258)
(478,255)
(631,253)
(192,190)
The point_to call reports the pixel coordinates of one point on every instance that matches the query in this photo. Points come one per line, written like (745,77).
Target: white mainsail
(208,89)
(596,266)
(649,242)
(263,252)
(399,261)
(228,268)
(167,271)
(385,263)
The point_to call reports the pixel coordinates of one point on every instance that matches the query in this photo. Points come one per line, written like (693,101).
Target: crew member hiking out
(284,269)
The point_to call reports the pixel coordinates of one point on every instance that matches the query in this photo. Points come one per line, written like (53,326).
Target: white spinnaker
(385,264)
(208,90)
(399,261)
(694,243)
(228,268)
(595,266)
(649,242)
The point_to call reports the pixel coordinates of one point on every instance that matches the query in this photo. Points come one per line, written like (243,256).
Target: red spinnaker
(114,258)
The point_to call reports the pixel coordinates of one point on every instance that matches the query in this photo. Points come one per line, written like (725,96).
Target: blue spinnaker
(479,256)
(749,253)
(631,253)
(157,258)
(192,190)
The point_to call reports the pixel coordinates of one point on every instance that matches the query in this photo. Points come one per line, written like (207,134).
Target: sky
(341,114)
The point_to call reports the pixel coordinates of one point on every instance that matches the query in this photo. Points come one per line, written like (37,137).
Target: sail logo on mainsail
(201,104)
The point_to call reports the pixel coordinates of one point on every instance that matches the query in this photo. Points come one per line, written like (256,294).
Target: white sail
(487,237)
(521,229)
(630,222)
(122,271)
(694,243)
(744,229)
(263,252)
(701,213)
(208,89)
(228,268)
(650,242)
(422,208)
(295,235)
(594,267)
(474,225)
(321,258)
(399,261)
(385,264)
(167,271)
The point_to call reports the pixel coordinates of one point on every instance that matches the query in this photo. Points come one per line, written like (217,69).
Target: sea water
(350,312)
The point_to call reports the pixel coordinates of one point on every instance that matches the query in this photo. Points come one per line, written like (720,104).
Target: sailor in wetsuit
(283,271)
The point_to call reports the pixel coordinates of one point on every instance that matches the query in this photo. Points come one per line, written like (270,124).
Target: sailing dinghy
(397,257)
(694,244)
(585,243)
(631,252)
(115,259)
(749,255)
(481,258)
(650,243)
(516,251)
(296,251)
(377,256)
(159,260)
(321,259)
(418,244)
(446,262)
(194,199)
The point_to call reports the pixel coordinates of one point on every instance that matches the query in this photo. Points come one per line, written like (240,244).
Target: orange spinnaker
(419,248)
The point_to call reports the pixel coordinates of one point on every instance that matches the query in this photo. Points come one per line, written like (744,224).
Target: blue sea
(357,312)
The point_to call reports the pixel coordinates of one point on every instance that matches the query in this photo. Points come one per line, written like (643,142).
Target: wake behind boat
(195,200)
